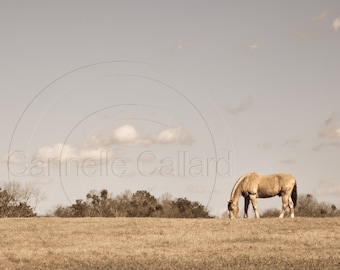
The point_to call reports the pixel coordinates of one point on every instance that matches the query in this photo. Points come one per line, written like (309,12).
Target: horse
(253,185)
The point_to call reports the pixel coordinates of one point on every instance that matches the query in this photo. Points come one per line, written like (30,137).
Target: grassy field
(133,243)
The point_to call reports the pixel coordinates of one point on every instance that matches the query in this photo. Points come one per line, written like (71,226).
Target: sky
(177,97)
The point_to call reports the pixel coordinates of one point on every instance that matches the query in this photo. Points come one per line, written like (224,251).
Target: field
(141,243)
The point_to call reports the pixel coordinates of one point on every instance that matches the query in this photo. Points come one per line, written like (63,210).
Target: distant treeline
(11,207)
(308,206)
(127,204)
(18,200)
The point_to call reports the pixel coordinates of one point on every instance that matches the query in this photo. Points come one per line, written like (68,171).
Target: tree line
(138,204)
(18,200)
(307,206)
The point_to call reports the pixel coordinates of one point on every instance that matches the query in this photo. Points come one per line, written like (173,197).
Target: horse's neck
(236,192)
(236,195)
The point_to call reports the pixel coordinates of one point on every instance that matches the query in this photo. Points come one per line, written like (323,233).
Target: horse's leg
(291,207)
(246,205)
(254,203)
(285,202)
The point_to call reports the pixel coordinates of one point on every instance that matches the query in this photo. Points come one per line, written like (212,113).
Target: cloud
(99,154)
(336,24)
(15,158)
(124,135)
(321,16)
(327,189)
(57,152)
(330,132)
(128,135)
(64,153)
(100,147)
(172,135)
(245,104)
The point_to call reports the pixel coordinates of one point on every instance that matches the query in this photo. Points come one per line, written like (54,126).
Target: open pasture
(152,243)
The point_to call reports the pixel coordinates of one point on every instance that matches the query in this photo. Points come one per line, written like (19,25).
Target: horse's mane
(236,186)
(239,181)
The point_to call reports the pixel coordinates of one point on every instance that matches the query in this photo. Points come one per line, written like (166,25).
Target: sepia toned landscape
(159,243)
(131,131)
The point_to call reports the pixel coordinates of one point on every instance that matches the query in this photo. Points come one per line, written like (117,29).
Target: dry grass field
(141,243)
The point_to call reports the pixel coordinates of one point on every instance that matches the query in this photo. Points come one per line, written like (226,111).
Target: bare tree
(19,200)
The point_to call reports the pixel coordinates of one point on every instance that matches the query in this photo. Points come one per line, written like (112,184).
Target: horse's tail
(294,195)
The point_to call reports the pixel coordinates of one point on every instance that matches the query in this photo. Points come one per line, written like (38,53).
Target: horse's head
(233,209)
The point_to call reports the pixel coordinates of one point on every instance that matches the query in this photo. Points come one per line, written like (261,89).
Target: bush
(138,204)
(269,213)
(15,200)
(308,206)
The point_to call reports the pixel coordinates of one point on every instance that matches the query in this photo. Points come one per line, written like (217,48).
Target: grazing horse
(253,185)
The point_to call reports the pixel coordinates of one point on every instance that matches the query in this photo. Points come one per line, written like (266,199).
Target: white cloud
(336,23)
(128,135)
(244,105)
(15,158)
(123,135)
(172,135)
(100,147)
(57,152)
(64,153)
(95,154)
(330,132)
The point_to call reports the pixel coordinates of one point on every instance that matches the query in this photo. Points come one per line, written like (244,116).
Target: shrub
(308,206)
(139,204)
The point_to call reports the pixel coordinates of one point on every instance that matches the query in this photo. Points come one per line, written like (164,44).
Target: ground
(152,243)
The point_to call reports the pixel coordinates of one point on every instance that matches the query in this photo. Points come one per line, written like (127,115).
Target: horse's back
(286,179)
(275,184)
